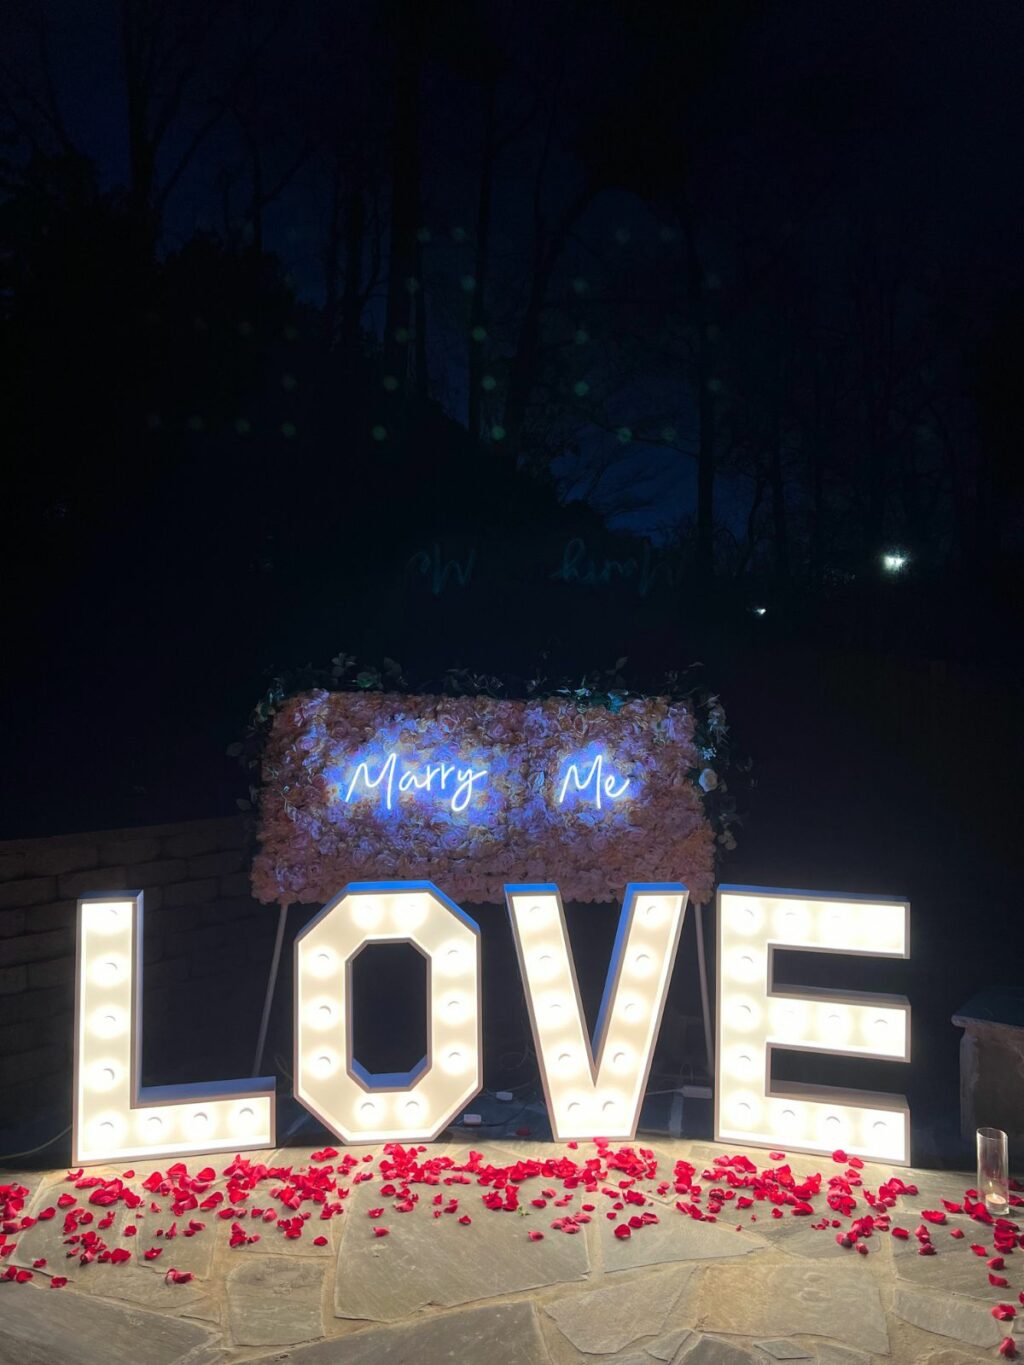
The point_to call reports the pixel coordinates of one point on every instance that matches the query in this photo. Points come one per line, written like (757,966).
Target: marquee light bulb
(115,1117)
(575,1069)
(323,965)
(416,1105)
(752,923)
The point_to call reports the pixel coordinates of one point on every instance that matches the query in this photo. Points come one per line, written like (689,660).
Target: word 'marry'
(594,1086)
(448,780)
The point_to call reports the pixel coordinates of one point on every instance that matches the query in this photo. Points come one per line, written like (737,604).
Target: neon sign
(463,789)
(447,780)
(584,777)
(590,781)
(594,1087)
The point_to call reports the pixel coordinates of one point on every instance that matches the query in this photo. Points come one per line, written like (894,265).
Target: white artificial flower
(708,780)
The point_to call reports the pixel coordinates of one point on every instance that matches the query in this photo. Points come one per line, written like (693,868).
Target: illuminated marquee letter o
(413,1106)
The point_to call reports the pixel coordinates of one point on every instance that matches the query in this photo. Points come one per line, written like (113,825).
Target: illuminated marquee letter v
(596,1090)
(115,1117)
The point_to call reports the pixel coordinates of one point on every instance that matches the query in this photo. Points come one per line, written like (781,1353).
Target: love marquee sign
(594,1086)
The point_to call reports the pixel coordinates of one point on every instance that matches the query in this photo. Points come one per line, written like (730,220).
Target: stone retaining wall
(206,952)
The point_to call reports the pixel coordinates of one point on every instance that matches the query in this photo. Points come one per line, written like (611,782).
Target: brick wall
(206,953)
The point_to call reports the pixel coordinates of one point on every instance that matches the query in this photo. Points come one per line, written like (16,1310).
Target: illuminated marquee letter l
(115,1118)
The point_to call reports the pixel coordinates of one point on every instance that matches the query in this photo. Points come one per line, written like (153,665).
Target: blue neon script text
(590,782)
(450,781)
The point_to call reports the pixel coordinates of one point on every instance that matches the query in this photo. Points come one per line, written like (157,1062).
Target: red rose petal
(1007,1348)
(58,1282)
(1004,1312)
(623,1231)
(535,1236)
(998,1281)
(380,1232)
(319,1241)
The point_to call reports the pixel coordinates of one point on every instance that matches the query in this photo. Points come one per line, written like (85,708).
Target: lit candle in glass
(993,1171)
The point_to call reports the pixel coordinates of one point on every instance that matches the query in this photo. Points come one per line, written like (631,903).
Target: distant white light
(759,611)
(893,561)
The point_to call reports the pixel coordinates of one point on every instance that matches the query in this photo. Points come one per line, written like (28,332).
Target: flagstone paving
(434,1291)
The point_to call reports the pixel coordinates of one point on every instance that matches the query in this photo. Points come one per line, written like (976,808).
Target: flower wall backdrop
(472,792)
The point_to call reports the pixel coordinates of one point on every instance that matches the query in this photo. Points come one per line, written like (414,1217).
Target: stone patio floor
(435,1291)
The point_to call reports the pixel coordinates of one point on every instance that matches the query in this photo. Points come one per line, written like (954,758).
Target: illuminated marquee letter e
(755,1017)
